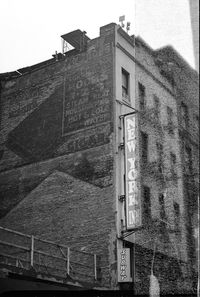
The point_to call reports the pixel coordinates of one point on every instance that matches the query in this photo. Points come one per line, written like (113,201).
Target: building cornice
(129,39)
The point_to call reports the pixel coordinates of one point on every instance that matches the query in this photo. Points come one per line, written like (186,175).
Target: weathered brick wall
(44,112)
(69,211)
(56,143)
(186,83)
(156,127)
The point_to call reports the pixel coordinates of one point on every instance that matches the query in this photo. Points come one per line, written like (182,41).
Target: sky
(30,30)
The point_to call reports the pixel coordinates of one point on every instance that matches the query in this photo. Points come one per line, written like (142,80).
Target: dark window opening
(169,115)
(125,84)
(144,147)
(176,215)
(141,91)
(170,120)
(159,154)
(146,204)
(196,122)
(173,163)
(184,115)
(156,106)
(162,207)
(188,161)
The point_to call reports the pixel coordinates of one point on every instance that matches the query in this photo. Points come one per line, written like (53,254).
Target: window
(146,204)
(144,147)
(169,116)
(162,207)
(125,84)
(159,154)
(176,215)
(188,160)
(184,115)
(141,91)
(196,120)
(170,120)
(156,106)
(173,163)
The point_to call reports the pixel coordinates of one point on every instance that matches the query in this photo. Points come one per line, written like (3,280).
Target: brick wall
(186,84)
(155,126)
(56,152)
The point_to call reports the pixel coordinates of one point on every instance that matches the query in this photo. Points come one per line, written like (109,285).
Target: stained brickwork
(67,211)
(156,171)
(160,158)
(42,113)
(56,151)
(186,85)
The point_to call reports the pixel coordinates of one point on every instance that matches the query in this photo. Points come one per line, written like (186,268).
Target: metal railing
(26,251)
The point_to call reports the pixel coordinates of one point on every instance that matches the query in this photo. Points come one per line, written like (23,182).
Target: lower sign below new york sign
(123,257)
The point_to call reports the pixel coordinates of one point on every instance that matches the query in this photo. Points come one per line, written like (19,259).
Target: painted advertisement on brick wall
(61,115)
(87,92)
(68,111)
(56,126)
(87,99)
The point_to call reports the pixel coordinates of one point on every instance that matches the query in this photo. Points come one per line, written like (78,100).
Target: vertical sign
(124,265)
(133,204)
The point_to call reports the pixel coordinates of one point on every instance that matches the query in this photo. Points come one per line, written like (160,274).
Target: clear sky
(30,29)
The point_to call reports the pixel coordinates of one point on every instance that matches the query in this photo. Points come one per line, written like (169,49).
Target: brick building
(194,18)
(64,157)
(186,85)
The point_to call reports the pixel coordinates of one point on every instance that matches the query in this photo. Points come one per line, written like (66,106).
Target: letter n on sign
(133,203)
(123,265)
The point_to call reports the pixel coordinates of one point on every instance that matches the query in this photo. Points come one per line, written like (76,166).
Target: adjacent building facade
(92,157)
(194,17)
(186,84)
